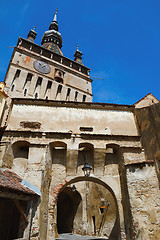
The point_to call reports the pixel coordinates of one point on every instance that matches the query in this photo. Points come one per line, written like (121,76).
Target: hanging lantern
(87,169)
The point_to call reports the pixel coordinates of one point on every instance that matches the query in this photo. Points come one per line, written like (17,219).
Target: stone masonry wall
(144,194)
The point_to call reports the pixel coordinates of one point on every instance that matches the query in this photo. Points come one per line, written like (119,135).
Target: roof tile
(11,181)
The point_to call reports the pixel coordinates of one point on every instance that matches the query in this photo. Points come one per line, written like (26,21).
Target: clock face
(41,67)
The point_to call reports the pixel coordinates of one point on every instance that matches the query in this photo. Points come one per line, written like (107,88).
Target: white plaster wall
(63,119)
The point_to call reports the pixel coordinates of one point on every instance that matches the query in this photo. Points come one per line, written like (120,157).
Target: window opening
(68,93)
(59,89)
(12,88)
(59,75)
(36,95)
(39,82)
(15,76)
(49,84)
(48,89)
(25,92)
(86,129)
(76,95)
(111,154)
(20,150)
(28,79)
(17,73)
(84,98)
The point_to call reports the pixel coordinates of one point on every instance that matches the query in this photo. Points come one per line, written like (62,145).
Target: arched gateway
(88,206)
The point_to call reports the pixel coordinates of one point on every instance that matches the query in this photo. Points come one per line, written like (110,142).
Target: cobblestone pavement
(70,236)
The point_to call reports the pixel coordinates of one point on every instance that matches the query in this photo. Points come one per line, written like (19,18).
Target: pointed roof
(32,35)
(52,39)
(54,23)
(146,101)
(78,56)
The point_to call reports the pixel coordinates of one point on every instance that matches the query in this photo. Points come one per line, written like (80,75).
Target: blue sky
(120,40)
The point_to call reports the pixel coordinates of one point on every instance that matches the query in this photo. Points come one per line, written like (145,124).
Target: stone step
(70,236)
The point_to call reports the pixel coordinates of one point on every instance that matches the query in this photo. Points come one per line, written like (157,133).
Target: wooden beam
(27,230)
(6,194)
(20,210)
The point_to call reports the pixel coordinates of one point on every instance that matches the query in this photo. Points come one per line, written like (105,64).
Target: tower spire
(52,39)
(55,16)
(54,23)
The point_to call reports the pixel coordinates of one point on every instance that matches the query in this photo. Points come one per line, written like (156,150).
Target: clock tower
(42,72)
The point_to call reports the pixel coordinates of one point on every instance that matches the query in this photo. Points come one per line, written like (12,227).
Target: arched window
(20,151)
(58,152)
(59,75)
(111,154)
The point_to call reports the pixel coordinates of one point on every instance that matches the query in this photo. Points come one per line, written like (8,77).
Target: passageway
(87,210)
(68,202)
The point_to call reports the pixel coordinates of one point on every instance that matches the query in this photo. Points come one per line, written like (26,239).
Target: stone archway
(67,205)
(94,213)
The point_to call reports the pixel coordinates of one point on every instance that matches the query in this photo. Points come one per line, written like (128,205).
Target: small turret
(32,35)
(78,56)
